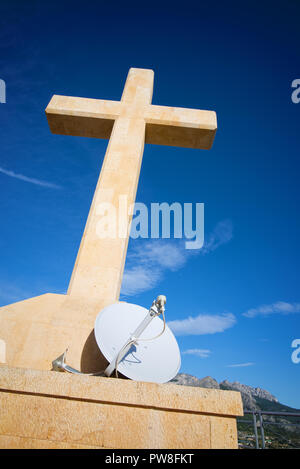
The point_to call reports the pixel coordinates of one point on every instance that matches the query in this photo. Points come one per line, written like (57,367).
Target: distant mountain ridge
(243,388)
(254,398)
(280,431)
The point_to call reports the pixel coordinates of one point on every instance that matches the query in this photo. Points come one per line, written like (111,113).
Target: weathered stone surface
(15,442)
(38,330)
(41,409)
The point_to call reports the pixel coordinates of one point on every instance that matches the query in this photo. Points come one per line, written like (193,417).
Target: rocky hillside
(251,396)
(254,398)
(243,388)
(189,380)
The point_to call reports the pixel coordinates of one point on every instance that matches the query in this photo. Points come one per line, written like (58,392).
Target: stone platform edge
(115,391)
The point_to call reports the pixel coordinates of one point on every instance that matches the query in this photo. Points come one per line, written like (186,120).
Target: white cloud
(202,324)
(37,182)
(280,307)
(148,260)
(202,353)
(167,254)
(139,279)
(241,365)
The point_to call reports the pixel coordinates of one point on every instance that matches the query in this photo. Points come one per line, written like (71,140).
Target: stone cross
(39,329)
(128,124)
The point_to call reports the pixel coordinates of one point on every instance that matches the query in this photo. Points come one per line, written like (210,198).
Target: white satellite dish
(135,341)
(118,335)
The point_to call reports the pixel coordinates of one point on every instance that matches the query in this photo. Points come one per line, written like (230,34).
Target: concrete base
(46,409)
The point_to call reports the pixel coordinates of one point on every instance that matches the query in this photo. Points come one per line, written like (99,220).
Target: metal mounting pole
(255,430)
(262,431)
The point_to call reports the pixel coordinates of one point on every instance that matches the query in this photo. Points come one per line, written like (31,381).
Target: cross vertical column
(99,266)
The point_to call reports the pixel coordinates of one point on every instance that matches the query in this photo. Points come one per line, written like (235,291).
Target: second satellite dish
(156,360)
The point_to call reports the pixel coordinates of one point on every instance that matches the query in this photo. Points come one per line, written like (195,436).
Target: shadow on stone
(92,360)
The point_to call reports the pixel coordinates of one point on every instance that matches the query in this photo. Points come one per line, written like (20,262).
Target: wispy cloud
(149,260)
(201,353)
(10,293)
(202,324)
(241,365)
(166,254)
(35,181)
(139,279)
(280,307)
(147,263)
(222,234)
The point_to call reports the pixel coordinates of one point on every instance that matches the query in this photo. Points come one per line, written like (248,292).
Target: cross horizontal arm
(180,127)
(172,126)
(82,117)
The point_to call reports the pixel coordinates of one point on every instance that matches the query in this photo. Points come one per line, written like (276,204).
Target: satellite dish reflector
(156,360)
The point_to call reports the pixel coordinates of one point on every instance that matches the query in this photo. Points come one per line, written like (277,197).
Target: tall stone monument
(37,330)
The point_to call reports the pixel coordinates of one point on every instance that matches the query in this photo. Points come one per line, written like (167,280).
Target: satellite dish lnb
(137,343)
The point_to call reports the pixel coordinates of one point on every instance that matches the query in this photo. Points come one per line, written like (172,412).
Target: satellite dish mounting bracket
(157,308)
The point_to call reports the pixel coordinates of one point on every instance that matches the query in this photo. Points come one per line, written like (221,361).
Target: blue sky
(235,304)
